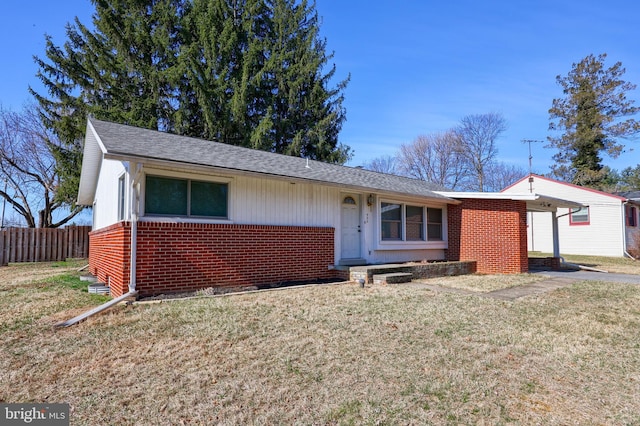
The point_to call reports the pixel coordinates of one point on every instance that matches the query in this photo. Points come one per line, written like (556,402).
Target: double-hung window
(579,216)
(405,222)
(167,196)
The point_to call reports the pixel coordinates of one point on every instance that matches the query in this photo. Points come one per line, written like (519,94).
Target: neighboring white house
(607,226)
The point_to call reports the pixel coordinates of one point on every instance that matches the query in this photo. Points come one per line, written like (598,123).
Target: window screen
(183,197)
(208,199)
(415,223)
(434,224)
(391,221)
(166,196)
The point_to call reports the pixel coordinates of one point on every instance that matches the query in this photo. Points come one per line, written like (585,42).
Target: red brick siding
(109,256)
(185,257)
(491,232)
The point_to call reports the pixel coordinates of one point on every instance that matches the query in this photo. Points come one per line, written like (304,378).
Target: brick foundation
(491,232)
(185,257)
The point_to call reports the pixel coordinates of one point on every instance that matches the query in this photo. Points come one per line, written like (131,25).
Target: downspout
(132,277)
(135,209)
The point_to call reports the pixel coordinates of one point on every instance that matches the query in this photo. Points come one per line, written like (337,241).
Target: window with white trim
(579,216)
(167,196)
(405,222)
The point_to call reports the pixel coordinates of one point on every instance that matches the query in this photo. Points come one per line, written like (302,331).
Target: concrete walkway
(594,276)
(558,279)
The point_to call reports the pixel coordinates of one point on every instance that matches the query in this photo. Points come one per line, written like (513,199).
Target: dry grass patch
(485,283)
(620,265)
(339,354)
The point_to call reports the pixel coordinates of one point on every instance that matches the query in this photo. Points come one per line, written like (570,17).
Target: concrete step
(393,278)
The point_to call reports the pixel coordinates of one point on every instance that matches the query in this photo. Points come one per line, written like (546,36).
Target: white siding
(265,201)
(106,198)
(602,236)
(273,202)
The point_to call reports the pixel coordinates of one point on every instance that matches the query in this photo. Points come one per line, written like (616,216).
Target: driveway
(556,280)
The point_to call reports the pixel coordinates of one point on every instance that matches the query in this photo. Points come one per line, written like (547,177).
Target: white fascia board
(489,195)
(535,202)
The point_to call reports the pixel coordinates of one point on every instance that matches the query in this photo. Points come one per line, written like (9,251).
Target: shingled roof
(128,143)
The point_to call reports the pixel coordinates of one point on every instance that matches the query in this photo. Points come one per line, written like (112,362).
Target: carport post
(556,234)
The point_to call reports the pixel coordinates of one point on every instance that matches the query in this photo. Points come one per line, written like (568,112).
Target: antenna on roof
(307,166)
(529,141)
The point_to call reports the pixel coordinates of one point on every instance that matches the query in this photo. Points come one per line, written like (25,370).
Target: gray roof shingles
(134,142)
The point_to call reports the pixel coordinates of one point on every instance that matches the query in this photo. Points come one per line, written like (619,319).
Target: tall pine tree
(591,115)
(304,116)
(123,71)
(245,72)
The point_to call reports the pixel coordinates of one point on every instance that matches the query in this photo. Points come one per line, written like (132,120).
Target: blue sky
(416,67)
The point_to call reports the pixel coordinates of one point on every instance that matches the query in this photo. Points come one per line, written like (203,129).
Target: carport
(492,225)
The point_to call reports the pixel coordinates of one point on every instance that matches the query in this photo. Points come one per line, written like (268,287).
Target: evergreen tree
(244,72)
(303,116)
(630,178)
(123,71)
(590,115)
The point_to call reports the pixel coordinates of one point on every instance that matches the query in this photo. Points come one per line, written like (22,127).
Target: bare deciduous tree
(385,164)
(435,158)
(28,170)
(477,135)
(500,175)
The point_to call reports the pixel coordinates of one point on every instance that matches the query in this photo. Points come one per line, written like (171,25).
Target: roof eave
(240,172)
(535,202)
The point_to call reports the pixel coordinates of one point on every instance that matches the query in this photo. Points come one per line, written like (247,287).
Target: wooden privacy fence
(43,244)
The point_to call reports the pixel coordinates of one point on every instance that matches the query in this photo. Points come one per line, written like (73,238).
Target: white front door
(350,219)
